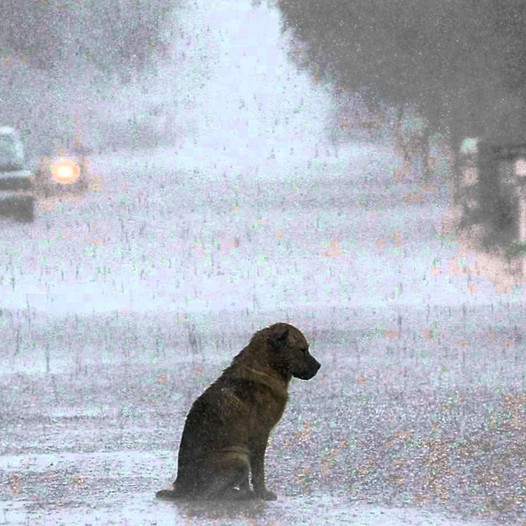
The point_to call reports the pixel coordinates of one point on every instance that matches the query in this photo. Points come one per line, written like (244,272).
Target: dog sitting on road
(222,450)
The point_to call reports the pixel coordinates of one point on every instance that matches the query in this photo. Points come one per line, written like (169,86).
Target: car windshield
(11,156)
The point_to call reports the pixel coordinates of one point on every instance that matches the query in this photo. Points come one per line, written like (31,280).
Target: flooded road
(405,423)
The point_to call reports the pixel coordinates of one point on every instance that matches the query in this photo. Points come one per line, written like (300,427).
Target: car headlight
(65,171)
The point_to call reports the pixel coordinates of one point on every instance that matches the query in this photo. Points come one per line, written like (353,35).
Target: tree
(112,35)
(460,62)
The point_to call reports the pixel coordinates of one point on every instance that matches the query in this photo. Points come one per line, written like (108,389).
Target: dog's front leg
(257,466)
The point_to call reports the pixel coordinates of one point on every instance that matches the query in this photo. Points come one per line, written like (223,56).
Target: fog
(229,143)
(221,200)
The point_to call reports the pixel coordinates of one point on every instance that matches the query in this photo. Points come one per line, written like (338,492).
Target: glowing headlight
(65,171)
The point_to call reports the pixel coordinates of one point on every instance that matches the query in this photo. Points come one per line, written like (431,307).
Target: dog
(222,449)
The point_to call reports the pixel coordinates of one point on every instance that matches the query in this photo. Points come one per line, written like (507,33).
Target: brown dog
(225,435)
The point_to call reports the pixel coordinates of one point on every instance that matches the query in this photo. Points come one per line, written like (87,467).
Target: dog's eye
(304,350)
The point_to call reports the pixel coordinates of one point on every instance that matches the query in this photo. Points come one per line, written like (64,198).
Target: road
(184,238)
(119,308)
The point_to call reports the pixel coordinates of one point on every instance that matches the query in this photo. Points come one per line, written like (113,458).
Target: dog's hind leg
(229,481)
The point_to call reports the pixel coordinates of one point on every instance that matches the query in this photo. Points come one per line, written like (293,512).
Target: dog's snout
(309,370)
(316,366)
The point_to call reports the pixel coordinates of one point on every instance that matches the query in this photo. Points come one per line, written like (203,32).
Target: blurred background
(180,107)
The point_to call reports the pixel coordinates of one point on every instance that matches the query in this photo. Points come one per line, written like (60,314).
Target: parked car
(17,197)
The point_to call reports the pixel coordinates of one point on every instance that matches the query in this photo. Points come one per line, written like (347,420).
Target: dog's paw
(267,495)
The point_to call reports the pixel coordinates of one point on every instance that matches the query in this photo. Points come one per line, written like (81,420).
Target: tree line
(114,36)
(462,63)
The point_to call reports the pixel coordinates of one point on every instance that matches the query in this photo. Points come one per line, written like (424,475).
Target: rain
(229,188)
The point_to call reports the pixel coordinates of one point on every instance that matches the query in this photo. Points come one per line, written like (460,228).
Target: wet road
(405,424)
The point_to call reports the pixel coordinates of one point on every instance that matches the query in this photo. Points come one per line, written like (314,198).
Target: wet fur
(222,450)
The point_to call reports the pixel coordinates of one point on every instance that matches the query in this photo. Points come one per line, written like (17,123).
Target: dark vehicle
(17,198)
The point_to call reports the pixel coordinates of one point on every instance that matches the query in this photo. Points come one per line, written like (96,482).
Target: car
(58,171)
(17,181)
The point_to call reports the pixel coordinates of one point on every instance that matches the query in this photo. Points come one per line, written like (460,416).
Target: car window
(11,153)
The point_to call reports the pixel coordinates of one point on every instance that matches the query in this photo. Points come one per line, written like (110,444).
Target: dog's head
(289,351)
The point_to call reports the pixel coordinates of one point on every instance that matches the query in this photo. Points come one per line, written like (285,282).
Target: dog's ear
(278,335)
